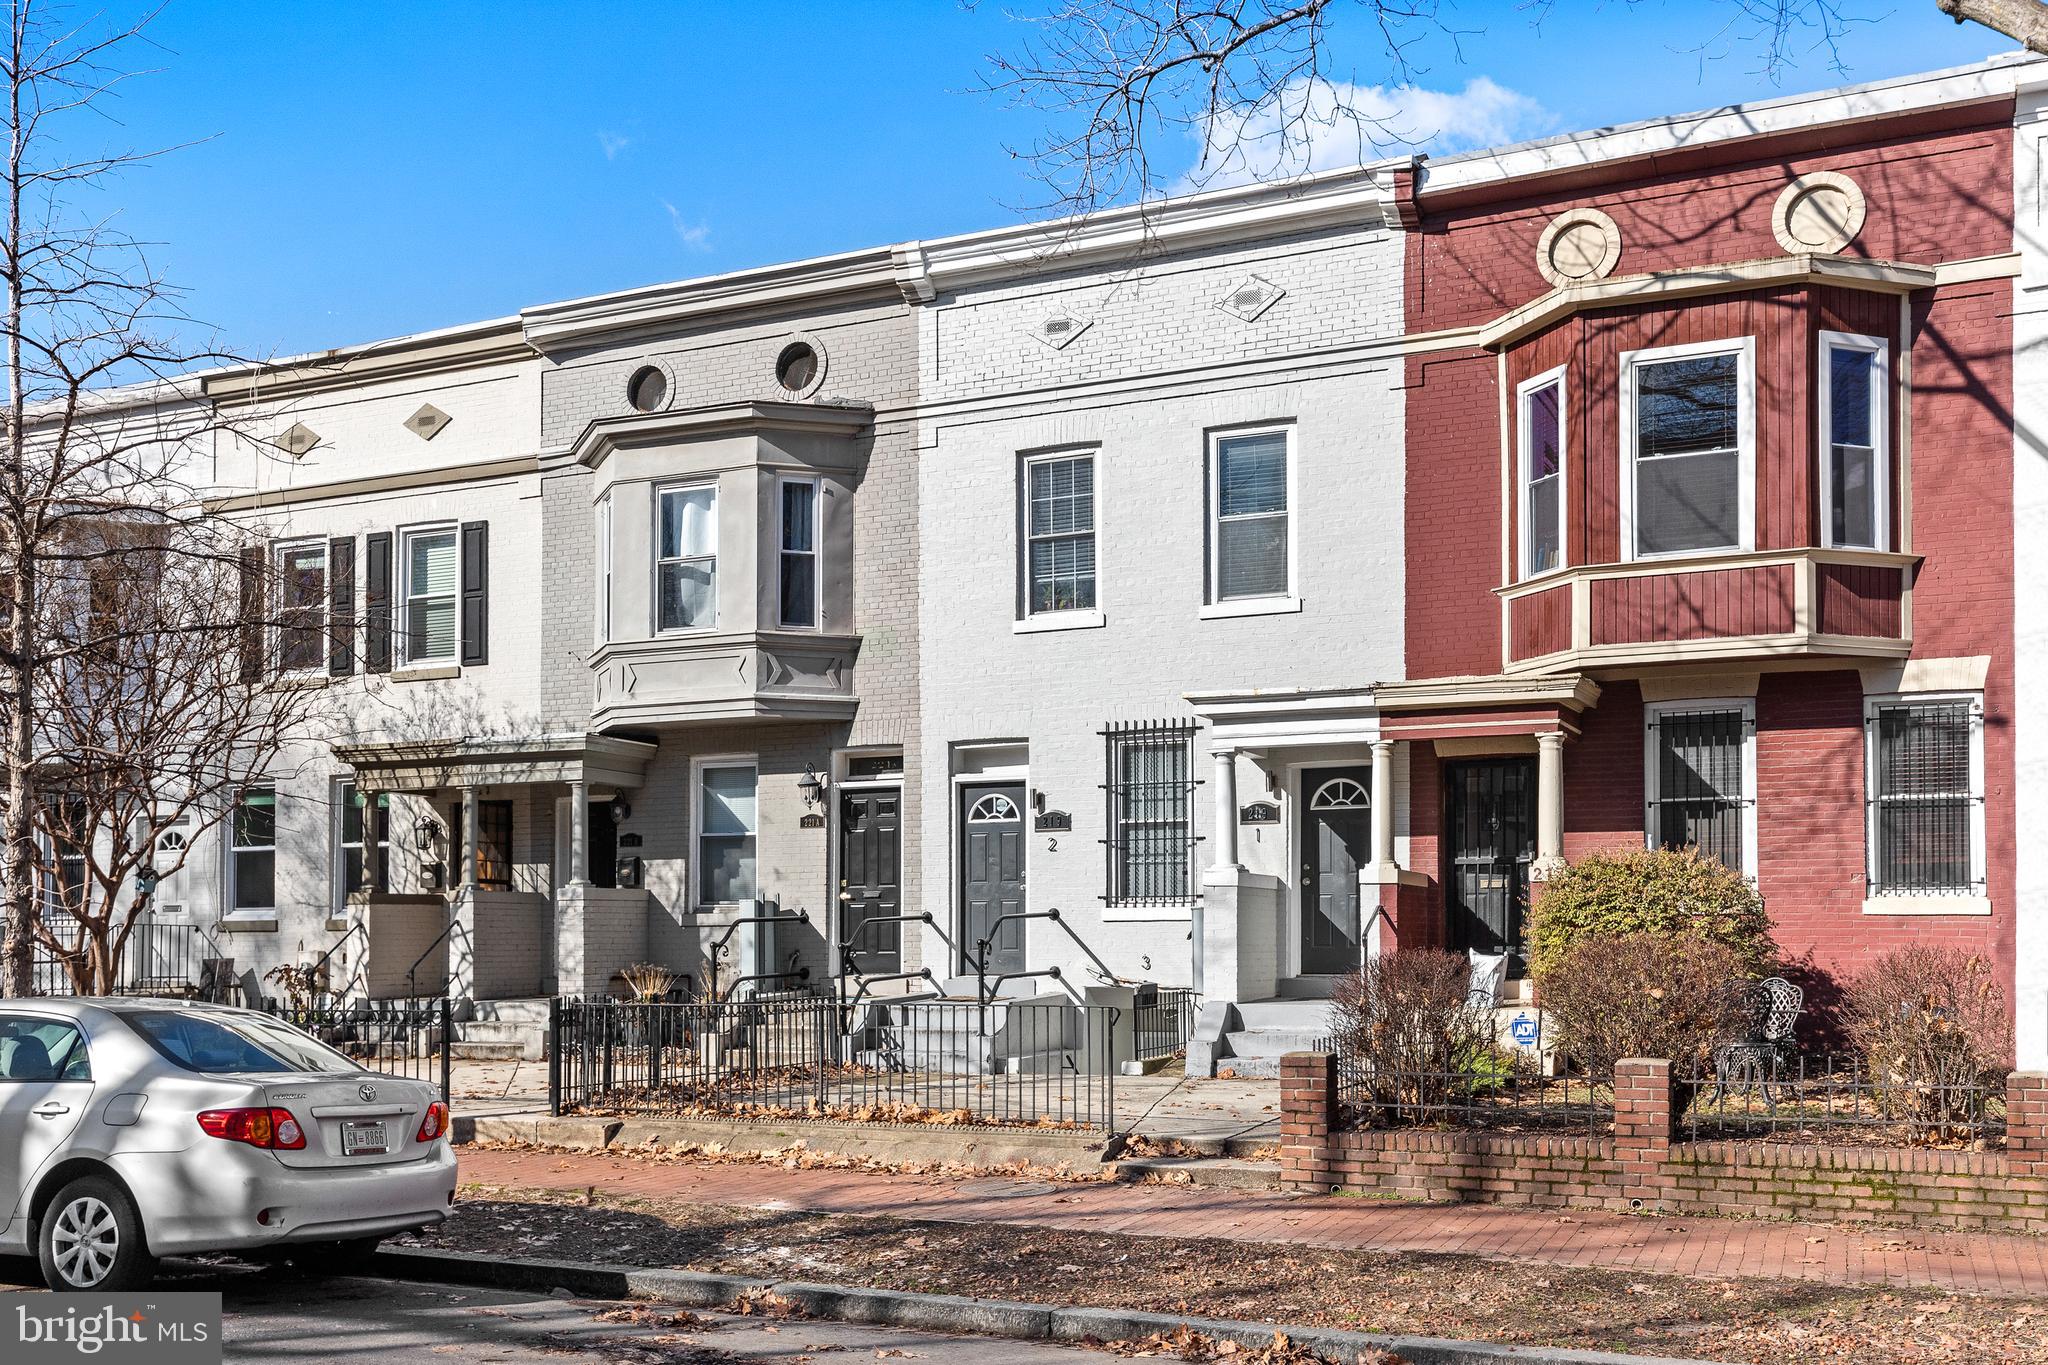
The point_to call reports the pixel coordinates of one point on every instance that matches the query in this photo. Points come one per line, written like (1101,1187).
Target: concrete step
(1305,1015)
(488,1052)
(525,1011)
(1244,1068)
(1272,1042)
(1225,1173)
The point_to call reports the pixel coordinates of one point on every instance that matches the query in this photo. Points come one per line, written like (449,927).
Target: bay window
(797,557)
(1688,449)
(686,565)
(1854,399)
(1540,420)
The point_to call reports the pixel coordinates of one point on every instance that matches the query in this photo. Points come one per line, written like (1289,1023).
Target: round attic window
(796,369)
(1821,211)
(1579,245)
(647,390)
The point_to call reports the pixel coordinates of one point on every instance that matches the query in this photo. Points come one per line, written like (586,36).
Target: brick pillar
(2026,1123)
(1308,1112)
(1642,1125)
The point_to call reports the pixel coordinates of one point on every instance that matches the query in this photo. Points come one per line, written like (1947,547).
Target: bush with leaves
(1643,995)
(1670,893)
(1402,1023)
(1931,1027)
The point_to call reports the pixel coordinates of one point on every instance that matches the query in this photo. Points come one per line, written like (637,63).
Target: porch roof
(426,765)
(1424,708)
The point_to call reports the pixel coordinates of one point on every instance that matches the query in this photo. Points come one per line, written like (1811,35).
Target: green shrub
(1649,891)
(1643,995)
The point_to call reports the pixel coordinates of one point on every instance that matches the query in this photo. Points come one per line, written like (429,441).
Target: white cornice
(422,353)
(607,434)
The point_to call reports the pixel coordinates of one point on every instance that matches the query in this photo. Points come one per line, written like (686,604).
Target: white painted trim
(1927,905)
(1744,349)
(1523,454)
(401,597)
(1058,620)
(1250,606)
(2029,490)
(1212,597)
(693,862)
(1073,618)
(1979,869)
(1653,711)
(601,625)
(229,848)
(1881,409)
(816,552)
(1965,674)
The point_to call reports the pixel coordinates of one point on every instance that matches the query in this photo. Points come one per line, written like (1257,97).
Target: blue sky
(365,170)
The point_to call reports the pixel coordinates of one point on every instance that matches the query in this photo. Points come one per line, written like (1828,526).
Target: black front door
(992,873)
(870,879)
(1336,840)
(1489,838)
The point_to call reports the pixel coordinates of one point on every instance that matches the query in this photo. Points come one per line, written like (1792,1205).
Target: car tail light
(433,1124)
(267,1128)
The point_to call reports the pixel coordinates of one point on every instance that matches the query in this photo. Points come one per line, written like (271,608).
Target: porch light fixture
(621,811)
(811,786)
(423,831)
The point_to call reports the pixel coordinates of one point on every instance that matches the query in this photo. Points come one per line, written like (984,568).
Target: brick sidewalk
(1972,1262)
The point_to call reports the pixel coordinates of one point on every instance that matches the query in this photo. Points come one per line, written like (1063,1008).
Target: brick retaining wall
(1642,1166)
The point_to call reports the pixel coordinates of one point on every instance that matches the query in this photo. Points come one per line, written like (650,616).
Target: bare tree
(1127,87)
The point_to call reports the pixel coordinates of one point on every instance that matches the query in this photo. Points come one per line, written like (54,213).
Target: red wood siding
(1702,604)
(1540,623)
(1858,599)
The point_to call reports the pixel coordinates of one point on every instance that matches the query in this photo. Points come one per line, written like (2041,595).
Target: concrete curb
(948,1312)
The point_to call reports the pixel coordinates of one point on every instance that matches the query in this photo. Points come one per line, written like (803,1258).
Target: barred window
(1151,835)
(1699,782)
(1924,796)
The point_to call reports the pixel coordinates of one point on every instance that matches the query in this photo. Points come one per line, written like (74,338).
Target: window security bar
(1149,842)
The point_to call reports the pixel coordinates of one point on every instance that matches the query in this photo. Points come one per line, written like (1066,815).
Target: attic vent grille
(1250,297)
(297,439)
(427,422)
(1059,330)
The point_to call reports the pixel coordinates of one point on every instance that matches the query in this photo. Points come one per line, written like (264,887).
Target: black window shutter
(253,632)
(476,592)
(341,606)
(377,603)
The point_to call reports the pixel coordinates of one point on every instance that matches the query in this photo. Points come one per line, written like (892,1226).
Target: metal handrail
(982,946)
(720,946)
(411,990)
(320,963)
(800,973)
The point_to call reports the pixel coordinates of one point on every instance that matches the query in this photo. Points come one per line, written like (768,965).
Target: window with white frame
(1926,774)
(1250,555)
(1700,781)
(360,827)
(301,575)
(1855,396)
(797,557)
(686,558)
(604,569)
(1151,830)
(1689,449)
(429,582)
(727,813)
(1059,534)
(1540,420)
(252,851)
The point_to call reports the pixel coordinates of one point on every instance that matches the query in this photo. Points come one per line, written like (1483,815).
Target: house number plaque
(1259,813)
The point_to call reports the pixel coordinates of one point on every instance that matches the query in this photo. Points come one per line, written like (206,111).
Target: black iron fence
(1164,1020)
(1034,1063)
(408,1038)
(1837,1100)
(1493,1091)
(160,958)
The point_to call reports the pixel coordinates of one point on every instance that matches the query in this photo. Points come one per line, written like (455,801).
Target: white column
(1383,802)
(1549,805)
(374,871)
(469,832)
(1226,810)
(579,833)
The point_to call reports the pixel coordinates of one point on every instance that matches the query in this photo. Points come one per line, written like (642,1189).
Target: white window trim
(1654,712)
(1971,900)
(339,789)
(1744,348)
(278,551)
(816,552)
(602,621)
(1073,618)
(693,869)
(1880,434)
(254,916)
(1214,602)
(1524,463)
(656,560)
(401,600)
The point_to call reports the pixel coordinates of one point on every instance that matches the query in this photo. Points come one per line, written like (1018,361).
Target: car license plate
(363,1139)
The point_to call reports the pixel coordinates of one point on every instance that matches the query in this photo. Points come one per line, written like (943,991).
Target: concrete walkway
(1841,1254)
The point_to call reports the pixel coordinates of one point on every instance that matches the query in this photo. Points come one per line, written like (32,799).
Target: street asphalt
(276,1318)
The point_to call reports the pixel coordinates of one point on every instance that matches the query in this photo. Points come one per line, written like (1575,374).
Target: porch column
(1383,802)
(469,832)
(1549,806)
(579,832)
(1226,809)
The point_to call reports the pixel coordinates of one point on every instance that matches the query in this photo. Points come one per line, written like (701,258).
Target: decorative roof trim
(382,483)
(406,357)
(607,434)
(1573,690)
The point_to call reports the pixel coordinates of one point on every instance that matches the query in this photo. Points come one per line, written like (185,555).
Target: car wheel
(91,1238)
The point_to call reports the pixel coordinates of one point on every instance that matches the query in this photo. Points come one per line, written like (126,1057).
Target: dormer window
(1855,456)
(1541,423)
(1688,449)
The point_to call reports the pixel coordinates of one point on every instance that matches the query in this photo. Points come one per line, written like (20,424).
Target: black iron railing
(1034,1064)
(408,1038)
(160,958)
(1148,788)
(1837,1100)
(1492,1092)
(1164,1020)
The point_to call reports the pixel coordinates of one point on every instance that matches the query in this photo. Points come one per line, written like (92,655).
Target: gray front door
(1336,840)
(992,873)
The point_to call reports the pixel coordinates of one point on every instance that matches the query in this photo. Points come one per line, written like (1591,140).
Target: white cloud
(612,143)
(696,236)
(1320,125)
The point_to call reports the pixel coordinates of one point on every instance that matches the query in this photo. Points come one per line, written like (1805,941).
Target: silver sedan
(134,1129)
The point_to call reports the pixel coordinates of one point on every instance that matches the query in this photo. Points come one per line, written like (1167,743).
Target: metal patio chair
(1756,1060)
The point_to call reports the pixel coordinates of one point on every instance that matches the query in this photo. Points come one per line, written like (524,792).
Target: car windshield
(218,1044)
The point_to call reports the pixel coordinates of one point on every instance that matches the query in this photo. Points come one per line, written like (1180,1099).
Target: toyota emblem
(367,1091)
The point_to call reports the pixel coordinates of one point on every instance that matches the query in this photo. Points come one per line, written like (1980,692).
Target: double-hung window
(1059,534)
(301,570)
(361,828)
(797,560)
(252,849)
(686,559)
(1926,767)
(603,618)
(429,583)
(1540,420)
(1855,394)
(726,825)
(1688,449)
(1700,779)
(1151,834)
(1250,550)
